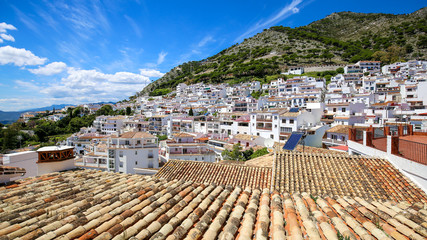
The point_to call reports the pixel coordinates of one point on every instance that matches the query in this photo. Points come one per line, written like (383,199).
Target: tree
(340,70)
(75,124)
(191,113)
(259,153)
(41,134)
(105,110)
(247,154)
(162,137)
(235,154)
(128,110)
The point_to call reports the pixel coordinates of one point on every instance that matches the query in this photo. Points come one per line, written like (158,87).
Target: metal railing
(413,151)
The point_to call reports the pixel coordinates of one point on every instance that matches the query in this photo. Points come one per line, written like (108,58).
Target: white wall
(50,167)
(25,160)
(192,157)
(129,158)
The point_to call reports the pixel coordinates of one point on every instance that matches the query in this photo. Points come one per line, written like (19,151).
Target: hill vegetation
(339,38)
(42,132)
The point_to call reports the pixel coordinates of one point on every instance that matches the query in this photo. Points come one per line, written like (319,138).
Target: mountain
(50,108)
(10,117)
(340,38)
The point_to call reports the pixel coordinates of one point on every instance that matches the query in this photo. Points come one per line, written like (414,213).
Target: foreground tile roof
(228,174)
(343,175)
(100,205)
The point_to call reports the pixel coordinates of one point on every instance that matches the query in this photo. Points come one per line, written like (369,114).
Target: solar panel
(294,110)
(293,141)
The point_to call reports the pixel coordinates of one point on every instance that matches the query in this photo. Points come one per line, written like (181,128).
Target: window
(203,158)
(275,117)
(283,120)
(257,134)
(136,152)
(136,162)
(343,110)
(121,164)
(121,154)
(334,110)
(139,142)
(150,154)
(271,136)
(127,142)
(291,121)
(275,125)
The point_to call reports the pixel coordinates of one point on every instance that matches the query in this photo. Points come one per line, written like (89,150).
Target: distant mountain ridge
(10,117)
(340,38)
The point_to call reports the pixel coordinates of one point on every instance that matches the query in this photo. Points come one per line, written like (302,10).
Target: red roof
(342,148)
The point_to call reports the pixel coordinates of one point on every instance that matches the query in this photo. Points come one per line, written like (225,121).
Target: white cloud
(3,29)
(28,86)
(93,86)
(19,57)
(7,37)
(196,49)
(205,41)
(151,73)
(50,69)
(286,11)
(161,58)
(134,26)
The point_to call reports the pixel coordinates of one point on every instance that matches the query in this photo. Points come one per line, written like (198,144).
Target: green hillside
(339,38)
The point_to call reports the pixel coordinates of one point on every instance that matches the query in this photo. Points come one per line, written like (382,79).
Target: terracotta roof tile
(228,174)
(103,205)
(343,175)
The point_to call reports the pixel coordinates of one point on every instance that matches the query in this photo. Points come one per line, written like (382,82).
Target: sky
(73,52)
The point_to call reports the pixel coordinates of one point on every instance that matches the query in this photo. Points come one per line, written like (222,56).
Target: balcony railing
(413,151)
(264,128)
(263,120)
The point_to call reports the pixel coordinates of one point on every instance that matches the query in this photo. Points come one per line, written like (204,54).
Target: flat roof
(54,148)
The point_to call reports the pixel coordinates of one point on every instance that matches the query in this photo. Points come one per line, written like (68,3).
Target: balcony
(263,119)
(264,127)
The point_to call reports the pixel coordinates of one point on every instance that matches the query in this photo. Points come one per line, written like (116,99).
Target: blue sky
(55,52)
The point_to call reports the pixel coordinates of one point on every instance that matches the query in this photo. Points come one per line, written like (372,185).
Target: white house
(131,152)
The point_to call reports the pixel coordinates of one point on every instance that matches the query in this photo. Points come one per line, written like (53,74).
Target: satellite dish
(269,142)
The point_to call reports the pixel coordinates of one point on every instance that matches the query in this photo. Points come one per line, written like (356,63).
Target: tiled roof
(182,135)
(343,129)
(343,175)
(137,135)
(245,137)
(204,172)
(101,205)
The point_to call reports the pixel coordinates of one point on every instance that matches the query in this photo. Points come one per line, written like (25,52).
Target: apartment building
(131,152)
(183,146)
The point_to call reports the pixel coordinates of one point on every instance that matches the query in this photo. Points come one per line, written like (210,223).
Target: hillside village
(212,121)
(293,146)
